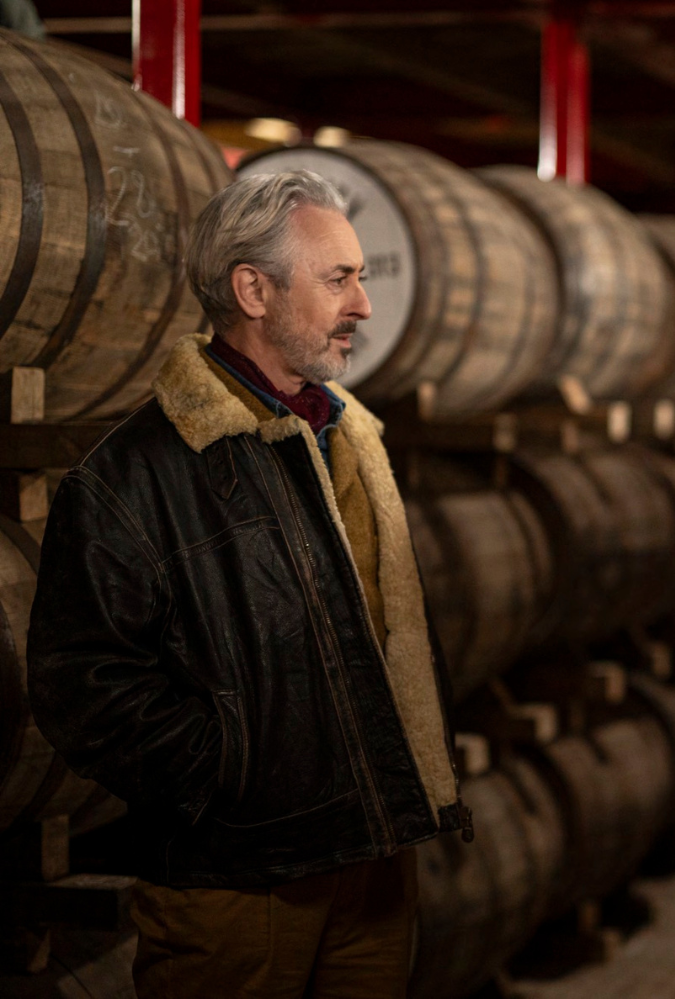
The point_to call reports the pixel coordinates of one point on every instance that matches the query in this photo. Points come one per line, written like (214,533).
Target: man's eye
(363,277)
(340,280)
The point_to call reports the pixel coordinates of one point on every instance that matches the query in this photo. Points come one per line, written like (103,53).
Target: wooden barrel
(488,573)
(640,494)
(463,289)
(615,788)
(98,186)
(614,331)
(611,523)
(34,782)
(480,902)
(646,693)
(655,697)
(660,229)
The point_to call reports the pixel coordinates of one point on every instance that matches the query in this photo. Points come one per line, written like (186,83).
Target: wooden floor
(642,965)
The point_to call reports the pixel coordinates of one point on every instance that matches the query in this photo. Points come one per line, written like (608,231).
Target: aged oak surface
(98,187)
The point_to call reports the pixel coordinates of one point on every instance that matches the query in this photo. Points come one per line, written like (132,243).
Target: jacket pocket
(335,828)
(234,757)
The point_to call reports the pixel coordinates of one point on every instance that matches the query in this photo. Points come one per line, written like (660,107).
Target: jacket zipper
(464,812)
(375,791)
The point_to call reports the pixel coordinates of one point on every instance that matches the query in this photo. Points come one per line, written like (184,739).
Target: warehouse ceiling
(460,78)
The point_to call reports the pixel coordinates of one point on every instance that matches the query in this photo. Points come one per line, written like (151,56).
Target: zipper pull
(465,821)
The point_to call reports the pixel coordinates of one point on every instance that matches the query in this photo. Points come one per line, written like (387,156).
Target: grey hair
(249,222)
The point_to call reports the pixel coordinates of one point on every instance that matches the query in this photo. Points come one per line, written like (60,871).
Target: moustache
(349,326)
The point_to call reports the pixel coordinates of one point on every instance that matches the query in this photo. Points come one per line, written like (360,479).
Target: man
(229,630)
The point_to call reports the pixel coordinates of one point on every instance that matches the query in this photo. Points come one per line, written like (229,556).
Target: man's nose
(360,305)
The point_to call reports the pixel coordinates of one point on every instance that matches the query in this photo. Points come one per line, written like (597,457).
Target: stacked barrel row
(575,549)
(486,286)
(494,285)
(571,551)
(554,825)
(98,187)
(35,783)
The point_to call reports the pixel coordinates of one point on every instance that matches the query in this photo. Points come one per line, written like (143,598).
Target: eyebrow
(347,269)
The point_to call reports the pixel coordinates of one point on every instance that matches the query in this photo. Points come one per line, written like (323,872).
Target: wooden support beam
(354,20)
(606,682)
(23,495)
(24,949)
(599,942)
(534,723)
(472,753)
(36,851)
(660,660)
(415,423)
(46,445)
(328,21)
(495,714)
(643,9)
(569,679)
(653,55)
(90,901)
(22,395)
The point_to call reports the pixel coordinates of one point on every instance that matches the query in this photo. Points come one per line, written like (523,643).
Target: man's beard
(314,361)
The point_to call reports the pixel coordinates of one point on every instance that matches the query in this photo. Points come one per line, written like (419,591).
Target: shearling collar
(197,400)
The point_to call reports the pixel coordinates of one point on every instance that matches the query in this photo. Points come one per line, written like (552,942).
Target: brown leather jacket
(201,646)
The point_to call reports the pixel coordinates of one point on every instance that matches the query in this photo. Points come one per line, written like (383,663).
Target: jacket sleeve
(95,681)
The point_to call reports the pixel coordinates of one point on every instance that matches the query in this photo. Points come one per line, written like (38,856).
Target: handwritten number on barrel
(144,223)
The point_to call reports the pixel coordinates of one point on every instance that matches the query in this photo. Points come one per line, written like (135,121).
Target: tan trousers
(343,935)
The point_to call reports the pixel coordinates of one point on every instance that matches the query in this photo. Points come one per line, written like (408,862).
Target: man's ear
(250,286)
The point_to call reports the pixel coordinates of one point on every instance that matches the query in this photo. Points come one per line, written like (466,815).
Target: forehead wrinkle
(321,234)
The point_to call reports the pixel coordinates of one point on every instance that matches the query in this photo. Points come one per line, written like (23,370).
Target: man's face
(312,323)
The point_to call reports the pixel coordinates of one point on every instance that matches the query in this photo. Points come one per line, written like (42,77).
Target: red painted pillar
(564,119)
(578,115)
(167,54)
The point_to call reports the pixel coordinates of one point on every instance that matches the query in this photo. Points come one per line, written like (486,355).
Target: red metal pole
(167,53)
(564,118)
(578,115)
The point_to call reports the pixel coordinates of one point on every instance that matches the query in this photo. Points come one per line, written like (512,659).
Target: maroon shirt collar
(311,403)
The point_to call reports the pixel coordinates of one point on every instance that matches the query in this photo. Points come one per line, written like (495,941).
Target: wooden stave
(611,374)
(482,625)
(35,783)
(615,787)
(644,503)
(450,316)
(428,357)
(113,310)
(608,795)
(600,584)
(660,230)
(480,902)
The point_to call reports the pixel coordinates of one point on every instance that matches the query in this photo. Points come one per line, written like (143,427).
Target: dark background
(460,77)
